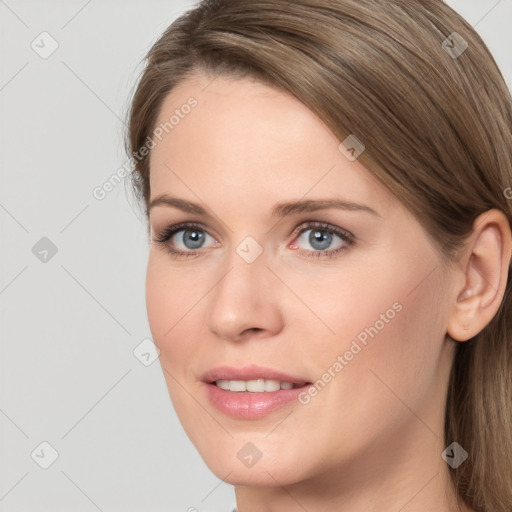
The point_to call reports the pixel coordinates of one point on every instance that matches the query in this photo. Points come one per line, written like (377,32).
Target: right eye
(184,240)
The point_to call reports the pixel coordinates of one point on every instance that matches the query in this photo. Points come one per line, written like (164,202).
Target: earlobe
(484,268)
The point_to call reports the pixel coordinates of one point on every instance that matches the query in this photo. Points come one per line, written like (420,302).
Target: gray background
(70,323)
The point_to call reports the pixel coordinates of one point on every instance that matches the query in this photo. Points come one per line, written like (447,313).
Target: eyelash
(346,236)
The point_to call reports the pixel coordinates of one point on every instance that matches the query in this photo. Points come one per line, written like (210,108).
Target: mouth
(252,379)
(259,385)
(252,392)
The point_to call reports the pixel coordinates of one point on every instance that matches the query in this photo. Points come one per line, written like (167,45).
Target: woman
(327,189)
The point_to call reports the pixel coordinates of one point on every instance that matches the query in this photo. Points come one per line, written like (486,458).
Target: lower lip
(250,406)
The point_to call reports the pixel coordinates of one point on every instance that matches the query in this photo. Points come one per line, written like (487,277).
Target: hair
(437,130)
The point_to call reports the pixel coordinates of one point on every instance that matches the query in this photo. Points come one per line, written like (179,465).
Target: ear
(483,271)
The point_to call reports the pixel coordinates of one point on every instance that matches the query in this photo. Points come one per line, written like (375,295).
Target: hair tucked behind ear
(437,128)
(479,412)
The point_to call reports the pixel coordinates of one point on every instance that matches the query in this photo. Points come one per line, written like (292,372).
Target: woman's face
(352,300)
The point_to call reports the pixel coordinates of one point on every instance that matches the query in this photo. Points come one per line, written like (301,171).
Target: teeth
(254,386)
(237,385)
(267,384)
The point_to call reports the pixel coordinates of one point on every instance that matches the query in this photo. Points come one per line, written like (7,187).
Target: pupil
(320,239)
(195,239)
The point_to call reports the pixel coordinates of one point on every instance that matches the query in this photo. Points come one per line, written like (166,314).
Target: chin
(237,461)
(262,474)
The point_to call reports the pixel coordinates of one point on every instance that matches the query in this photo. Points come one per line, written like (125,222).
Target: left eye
(323,239)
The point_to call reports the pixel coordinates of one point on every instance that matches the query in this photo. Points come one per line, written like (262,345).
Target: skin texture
(372,438)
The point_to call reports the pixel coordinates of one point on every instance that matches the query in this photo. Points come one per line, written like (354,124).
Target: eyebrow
(279,210)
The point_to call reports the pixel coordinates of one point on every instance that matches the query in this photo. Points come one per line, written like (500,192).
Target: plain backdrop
(76,395)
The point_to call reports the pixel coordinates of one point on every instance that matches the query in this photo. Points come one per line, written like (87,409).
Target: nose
(244,301)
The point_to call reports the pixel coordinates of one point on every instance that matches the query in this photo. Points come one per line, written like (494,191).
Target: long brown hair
(415,83)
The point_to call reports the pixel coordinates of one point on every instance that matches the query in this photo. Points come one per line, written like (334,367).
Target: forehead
(250,137)
(241,110)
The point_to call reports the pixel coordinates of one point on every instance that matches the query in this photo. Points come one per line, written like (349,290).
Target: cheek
(387,319)
(160,305)
(170,310)
(390,338)
(339,307)
(169,303)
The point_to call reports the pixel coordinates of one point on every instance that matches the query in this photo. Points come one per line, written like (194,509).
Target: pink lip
(244,404)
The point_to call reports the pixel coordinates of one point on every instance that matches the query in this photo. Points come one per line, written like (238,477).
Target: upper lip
(251,372)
